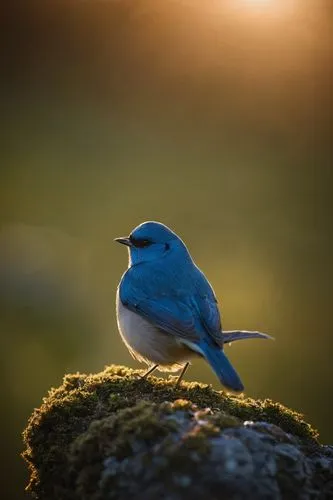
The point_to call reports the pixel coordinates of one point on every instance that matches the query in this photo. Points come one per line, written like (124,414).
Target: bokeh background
(212,117)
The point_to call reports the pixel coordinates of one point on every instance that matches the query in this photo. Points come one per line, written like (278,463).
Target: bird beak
(124,241)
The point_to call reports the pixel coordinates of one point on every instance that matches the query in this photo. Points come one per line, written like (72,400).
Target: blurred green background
(212,117)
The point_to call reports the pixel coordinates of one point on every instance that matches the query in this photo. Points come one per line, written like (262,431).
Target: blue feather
(222,367)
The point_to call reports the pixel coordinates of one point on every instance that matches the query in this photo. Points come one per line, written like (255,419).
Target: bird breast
(149,343)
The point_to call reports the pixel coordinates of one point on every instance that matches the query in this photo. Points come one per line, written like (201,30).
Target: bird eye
(140,243)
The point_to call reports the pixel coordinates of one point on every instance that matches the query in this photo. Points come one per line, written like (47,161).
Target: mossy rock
(115,436)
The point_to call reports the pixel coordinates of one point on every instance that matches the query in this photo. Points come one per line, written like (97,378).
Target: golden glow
(266,8)
(259,2)
(262,3)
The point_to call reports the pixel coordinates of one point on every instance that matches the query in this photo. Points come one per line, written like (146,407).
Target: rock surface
(115,436)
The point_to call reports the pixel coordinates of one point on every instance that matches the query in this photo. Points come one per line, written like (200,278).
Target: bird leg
(149,371)
(182,374)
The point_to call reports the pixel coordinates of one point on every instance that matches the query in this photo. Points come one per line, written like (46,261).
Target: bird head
(150,241)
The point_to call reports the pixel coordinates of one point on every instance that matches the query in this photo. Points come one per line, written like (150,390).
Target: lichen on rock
(115,436)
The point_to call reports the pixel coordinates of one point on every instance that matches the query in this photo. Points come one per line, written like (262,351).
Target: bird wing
(206,304)
(171,316)
(188,317)
(210,317)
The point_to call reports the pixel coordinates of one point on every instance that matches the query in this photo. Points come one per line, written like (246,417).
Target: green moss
(92,417)
(116,436)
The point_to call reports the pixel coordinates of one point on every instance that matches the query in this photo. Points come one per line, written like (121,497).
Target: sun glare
(269,9)
(258,1)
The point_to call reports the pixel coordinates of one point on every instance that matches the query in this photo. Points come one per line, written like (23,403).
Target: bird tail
(222,367)
(233,335)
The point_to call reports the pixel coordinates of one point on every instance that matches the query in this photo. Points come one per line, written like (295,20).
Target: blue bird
(167,311)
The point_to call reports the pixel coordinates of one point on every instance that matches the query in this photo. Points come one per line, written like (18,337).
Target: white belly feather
(148,343)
